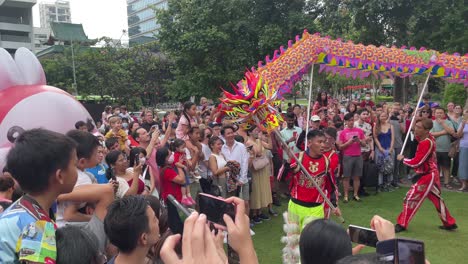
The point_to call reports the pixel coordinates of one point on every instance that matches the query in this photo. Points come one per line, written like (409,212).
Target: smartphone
(295,134)
(362,235)
(215,207)
(154,127)
(176,214)
(402,250)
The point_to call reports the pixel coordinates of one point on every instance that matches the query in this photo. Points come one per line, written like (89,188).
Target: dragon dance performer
(426,183)
(329,151)
(306,203)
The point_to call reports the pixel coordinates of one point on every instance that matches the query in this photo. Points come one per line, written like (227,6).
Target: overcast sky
(99,17)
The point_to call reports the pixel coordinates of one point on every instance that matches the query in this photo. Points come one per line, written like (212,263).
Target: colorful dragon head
(253,103)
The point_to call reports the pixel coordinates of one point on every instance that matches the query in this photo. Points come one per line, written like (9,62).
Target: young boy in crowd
(117,132)
(86,205)
(43,163)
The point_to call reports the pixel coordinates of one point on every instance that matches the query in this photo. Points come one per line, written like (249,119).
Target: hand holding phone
(215,208)
(362,235)
(402,250)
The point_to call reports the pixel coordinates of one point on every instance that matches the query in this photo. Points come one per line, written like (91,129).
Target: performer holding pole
(426,182)
(310,180)
(414,116)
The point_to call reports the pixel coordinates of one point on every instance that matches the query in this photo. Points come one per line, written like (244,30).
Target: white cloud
(99,17)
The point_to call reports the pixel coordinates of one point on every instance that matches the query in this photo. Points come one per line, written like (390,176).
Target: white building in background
(41,36)
(58,11)
(16,24)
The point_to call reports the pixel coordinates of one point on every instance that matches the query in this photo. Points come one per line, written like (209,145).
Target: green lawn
(441,246)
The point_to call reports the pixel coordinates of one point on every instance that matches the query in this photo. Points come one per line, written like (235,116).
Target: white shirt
(83,178)
(367,129)
(204,164)
(239,153)
(287,134)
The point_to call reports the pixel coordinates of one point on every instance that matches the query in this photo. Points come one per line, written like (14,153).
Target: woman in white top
(217,164)
(118,165)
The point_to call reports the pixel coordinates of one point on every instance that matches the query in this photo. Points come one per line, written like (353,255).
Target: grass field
(441,246)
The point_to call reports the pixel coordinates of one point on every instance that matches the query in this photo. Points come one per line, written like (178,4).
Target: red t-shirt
(302,188)
(168,186)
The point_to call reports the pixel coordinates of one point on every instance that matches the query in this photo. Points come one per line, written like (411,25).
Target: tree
(134,75)
(212,42)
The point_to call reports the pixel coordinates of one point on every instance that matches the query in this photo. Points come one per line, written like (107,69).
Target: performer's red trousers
(426,186)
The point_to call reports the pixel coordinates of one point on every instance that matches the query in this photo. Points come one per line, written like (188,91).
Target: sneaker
(186,201)
(257,220)
(449,228)
(399,228)
(272,212)
(264,217)
(356,198)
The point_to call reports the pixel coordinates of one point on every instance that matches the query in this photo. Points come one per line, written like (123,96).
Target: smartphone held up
(215,208)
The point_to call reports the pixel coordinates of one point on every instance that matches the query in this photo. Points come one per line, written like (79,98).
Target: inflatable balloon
(27,102)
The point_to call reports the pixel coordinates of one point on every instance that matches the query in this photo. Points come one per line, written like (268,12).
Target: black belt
(305,204)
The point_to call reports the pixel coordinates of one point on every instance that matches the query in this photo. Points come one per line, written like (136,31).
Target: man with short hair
(43,163)
(290,135)
(350,141)
(112,144)
(132,226)
(367,103)
(426,182)
(148,120)
(367,151)
(306,203)
(441,131)
(236,151)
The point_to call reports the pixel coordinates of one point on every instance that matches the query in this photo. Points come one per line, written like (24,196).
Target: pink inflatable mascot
(26,101)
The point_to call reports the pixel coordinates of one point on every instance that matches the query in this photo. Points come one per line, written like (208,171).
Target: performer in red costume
(306,203)
(329,151)
(426,181)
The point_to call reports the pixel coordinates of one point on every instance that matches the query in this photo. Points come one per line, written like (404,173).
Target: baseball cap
(213,124)
(315,118)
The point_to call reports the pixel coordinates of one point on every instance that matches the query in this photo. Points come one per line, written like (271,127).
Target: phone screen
(214,208)
(362,235)
(410,251)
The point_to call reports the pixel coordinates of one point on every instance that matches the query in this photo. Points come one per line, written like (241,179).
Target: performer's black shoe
(449,228)
(399,228)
